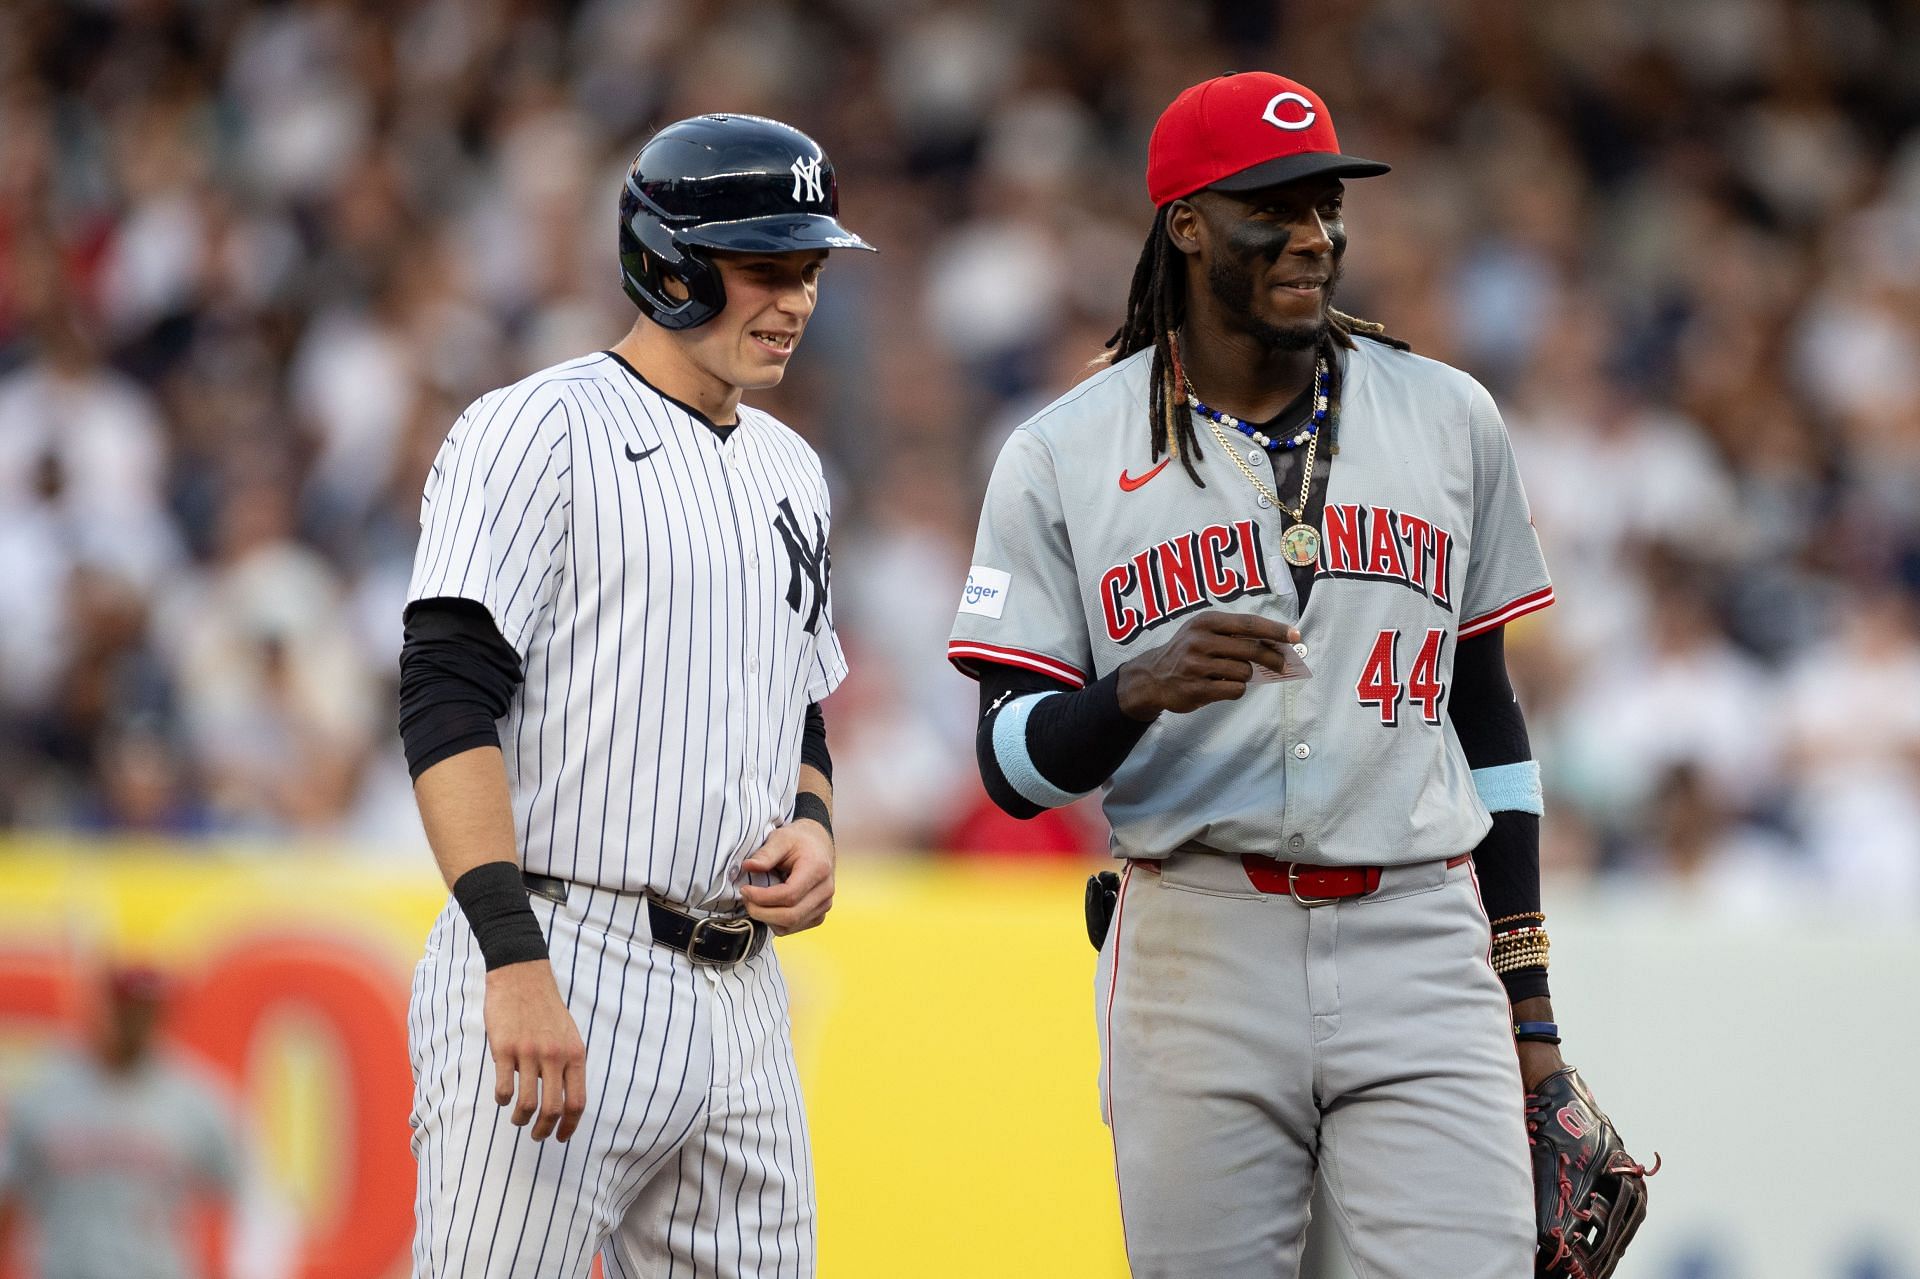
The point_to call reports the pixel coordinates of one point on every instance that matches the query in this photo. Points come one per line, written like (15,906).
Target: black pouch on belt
(1103,893)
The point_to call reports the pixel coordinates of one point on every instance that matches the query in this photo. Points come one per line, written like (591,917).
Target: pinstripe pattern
(692,1158)
(648,602)
(639,567)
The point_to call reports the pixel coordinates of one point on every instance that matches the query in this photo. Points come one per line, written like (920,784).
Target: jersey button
(1301,750)
(1301,649)
(1296,843)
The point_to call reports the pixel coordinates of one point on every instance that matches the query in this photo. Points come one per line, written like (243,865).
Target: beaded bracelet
(1534,915)
(1521,948)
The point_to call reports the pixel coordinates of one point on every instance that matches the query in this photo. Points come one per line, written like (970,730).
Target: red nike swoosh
(1128,484)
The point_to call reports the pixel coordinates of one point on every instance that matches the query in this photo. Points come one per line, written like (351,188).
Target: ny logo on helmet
(807,183)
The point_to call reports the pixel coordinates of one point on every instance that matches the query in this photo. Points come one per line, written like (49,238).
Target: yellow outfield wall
(942,1018)
(944,1025)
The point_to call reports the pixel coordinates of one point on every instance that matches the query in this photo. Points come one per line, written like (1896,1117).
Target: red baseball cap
(1242,132)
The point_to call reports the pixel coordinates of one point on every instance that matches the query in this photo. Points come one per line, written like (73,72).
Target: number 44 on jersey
(1379,684)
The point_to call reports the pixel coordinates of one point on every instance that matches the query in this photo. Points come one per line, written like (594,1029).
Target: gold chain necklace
(1299,541)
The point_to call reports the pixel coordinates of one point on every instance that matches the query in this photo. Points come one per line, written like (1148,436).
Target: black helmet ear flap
(706,295)
(650,255)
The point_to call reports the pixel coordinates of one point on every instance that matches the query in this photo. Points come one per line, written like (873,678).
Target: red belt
(1317,885)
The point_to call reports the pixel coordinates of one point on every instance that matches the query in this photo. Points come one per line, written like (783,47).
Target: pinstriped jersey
(1090,553)
(668,595)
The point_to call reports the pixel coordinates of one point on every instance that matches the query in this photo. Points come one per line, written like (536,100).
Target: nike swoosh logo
(1128,484)
(635,457)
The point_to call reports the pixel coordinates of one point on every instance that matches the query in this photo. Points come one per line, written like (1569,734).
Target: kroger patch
(986,592)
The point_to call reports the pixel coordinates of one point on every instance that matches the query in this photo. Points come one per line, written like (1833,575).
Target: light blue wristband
(1511,788)
(1016,761)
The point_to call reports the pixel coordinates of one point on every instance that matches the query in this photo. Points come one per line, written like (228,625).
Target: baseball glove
(1103,894)
(1590,1195)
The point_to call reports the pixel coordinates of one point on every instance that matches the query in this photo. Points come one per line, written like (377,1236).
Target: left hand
(1589,1194)
(800,854)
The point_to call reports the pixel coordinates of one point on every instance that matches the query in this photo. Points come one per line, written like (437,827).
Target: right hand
(533,1036)
(1210,659)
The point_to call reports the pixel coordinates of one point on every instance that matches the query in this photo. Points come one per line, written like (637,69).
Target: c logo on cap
(1305,121)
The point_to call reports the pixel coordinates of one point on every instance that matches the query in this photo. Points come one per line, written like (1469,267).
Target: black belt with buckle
(719,940)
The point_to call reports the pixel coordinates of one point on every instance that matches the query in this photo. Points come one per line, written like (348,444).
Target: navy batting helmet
(740,182)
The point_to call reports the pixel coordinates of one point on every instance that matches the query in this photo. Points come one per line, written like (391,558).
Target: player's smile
(780,343)
(1310,291)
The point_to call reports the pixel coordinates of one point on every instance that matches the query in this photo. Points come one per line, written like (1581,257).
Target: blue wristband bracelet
(1537,1032)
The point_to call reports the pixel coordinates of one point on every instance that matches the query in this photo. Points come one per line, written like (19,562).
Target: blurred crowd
(255,258)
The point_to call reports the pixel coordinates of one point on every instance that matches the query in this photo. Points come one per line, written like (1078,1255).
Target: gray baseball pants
(1249,1043)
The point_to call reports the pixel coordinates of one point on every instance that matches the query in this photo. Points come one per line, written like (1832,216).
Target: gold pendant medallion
(1300,545)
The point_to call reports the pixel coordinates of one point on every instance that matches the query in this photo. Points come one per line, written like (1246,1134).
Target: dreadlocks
(1156,307)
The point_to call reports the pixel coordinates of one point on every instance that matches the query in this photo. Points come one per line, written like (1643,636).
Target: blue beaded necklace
(1294,441)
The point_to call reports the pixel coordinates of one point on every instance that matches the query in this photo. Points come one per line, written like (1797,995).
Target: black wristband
(810,806)
(1525,983)
(494,900)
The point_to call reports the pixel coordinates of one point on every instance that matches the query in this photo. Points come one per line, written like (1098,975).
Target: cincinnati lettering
(1218,563)
(1378,543)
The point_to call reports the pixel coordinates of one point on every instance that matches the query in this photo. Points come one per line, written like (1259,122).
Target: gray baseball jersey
(667,591)
(107,1165)
(1090,553)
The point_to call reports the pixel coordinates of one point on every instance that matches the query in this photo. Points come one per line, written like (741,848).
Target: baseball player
(1251,579)
(618,639)
(108,1150)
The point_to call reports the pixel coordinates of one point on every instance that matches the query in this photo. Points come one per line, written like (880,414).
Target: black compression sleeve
(1507,863)
(813,741)
(1080,740)
(1492,731)
(1485,714)
(1076,740)
(457,677)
